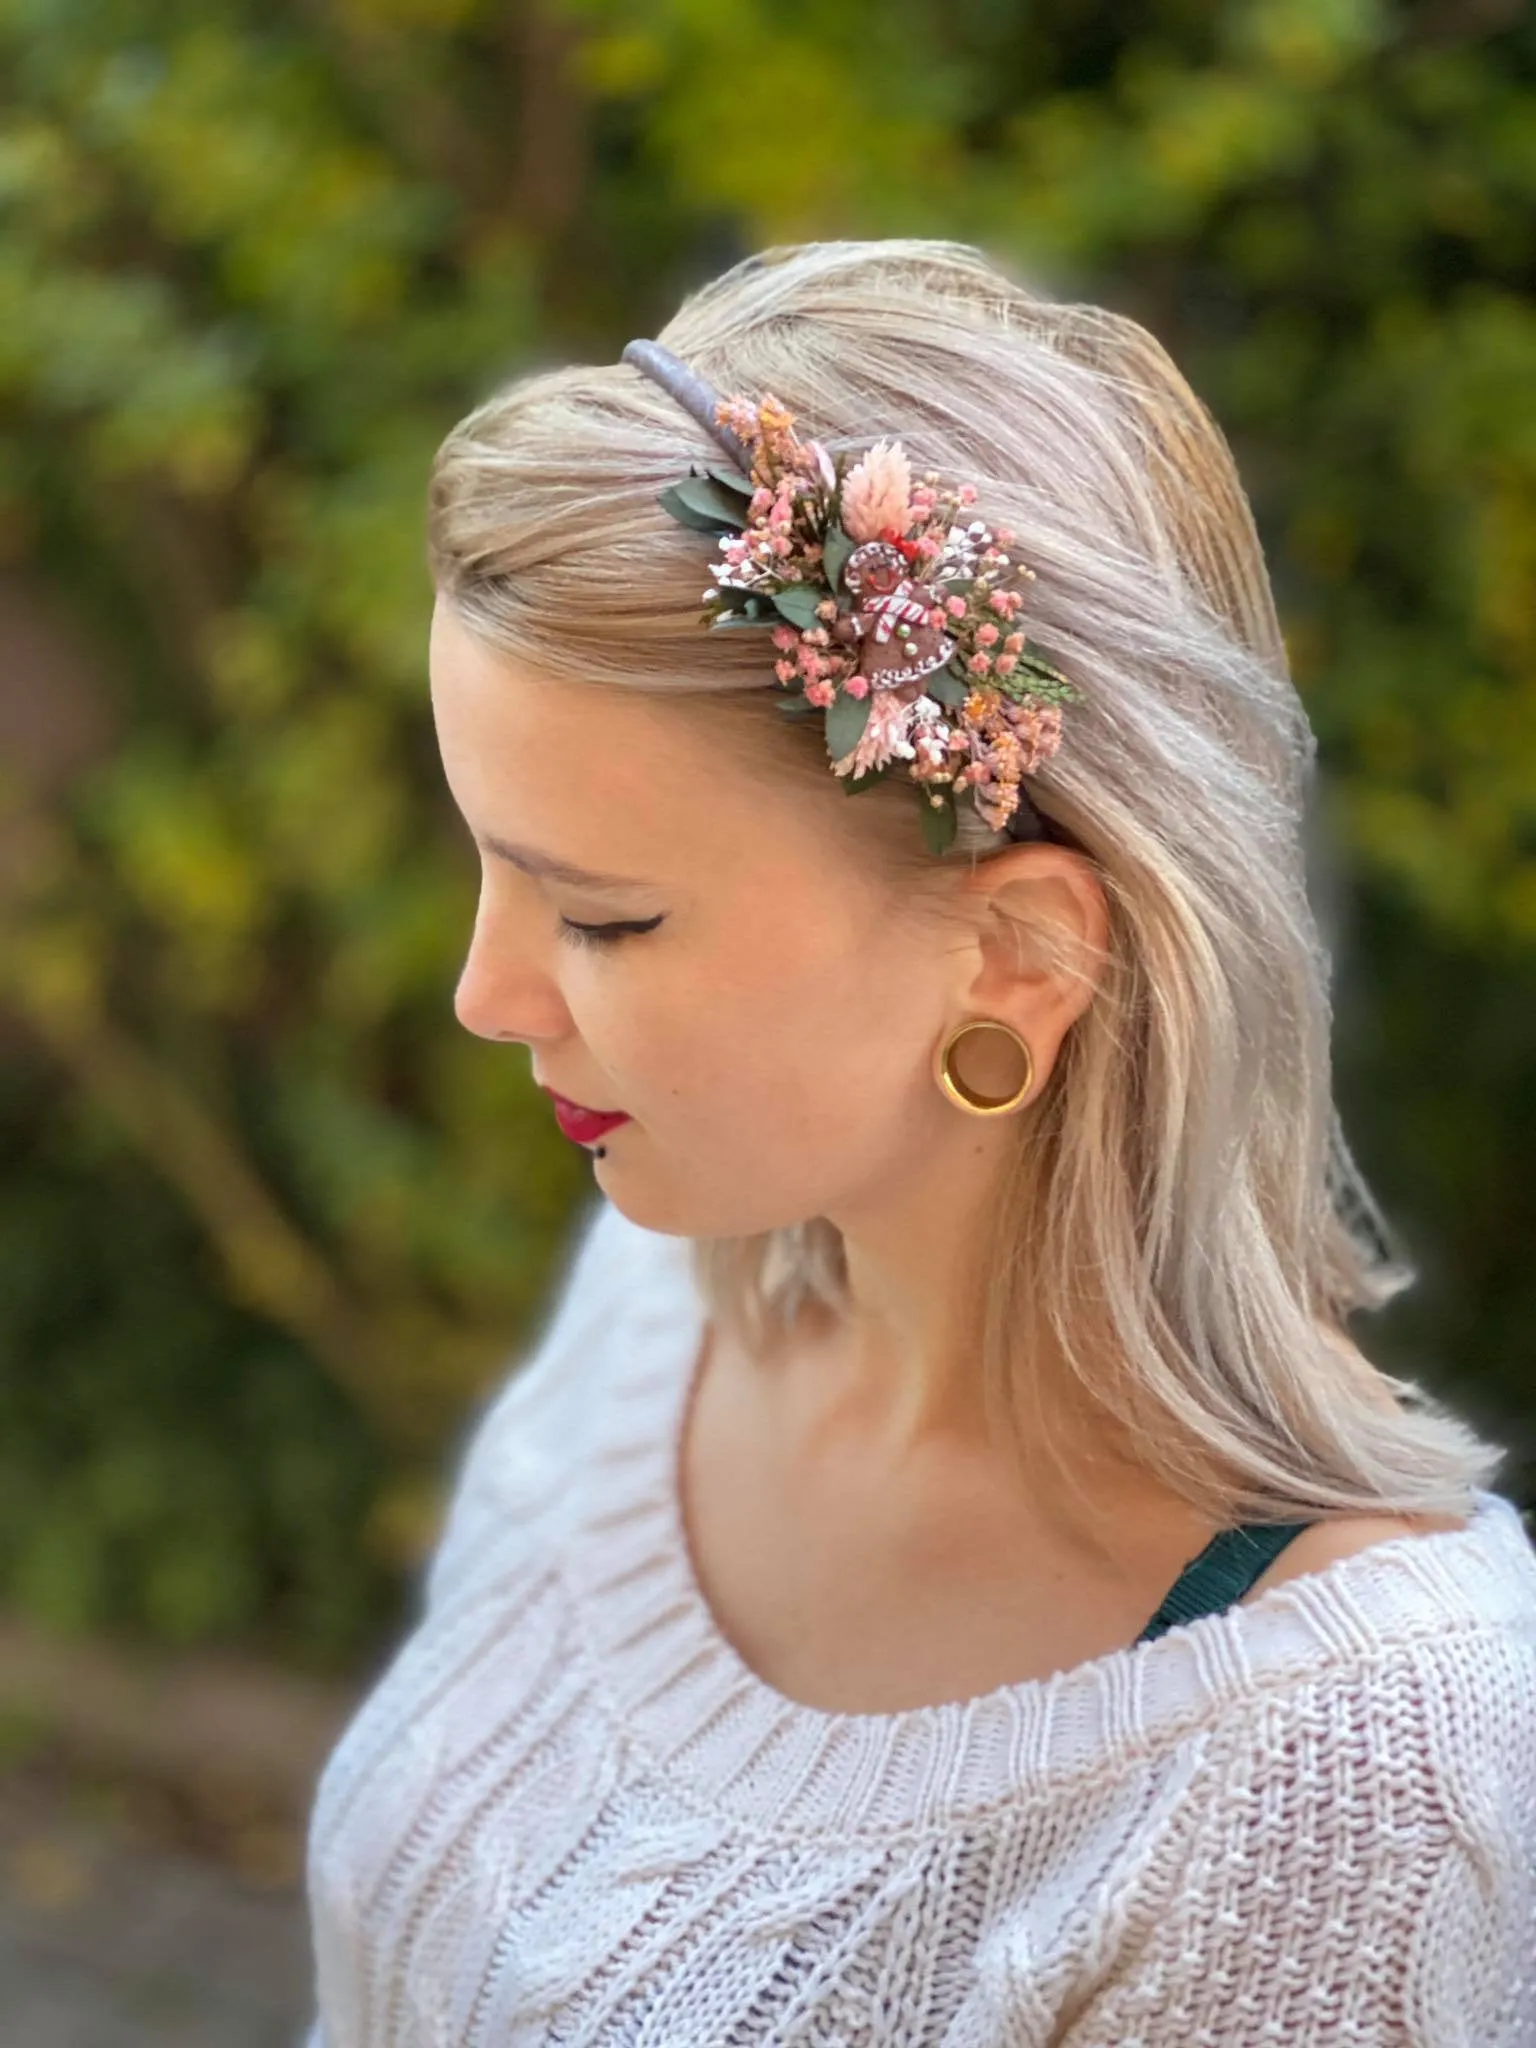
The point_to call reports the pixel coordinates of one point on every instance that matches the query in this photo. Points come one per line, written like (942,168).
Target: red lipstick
(582,1124)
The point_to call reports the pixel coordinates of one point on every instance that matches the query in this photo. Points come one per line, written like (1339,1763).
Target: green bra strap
(1223,1572)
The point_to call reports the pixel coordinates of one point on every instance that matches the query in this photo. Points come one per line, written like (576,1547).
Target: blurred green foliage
(270,1220)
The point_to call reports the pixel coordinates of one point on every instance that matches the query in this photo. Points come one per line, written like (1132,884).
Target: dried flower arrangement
(890,612)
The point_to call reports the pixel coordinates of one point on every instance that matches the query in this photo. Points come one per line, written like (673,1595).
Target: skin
(860,1537)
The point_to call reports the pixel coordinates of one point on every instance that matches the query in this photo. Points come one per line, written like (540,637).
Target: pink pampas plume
(877,493)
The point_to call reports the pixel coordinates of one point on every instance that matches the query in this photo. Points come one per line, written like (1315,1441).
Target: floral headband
(890,612)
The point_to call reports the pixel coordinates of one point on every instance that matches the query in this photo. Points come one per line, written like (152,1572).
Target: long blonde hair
(1181,1211)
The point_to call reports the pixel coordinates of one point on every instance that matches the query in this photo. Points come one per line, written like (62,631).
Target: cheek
(782,1035)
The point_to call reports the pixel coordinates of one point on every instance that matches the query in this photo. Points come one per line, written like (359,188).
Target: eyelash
(605,934)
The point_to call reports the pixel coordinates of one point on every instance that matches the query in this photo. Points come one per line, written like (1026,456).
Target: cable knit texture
(569,1813)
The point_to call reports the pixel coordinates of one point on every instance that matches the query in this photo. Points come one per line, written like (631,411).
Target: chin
(677,1213)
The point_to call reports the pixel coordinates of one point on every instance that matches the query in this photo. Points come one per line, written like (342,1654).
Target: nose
(505,991)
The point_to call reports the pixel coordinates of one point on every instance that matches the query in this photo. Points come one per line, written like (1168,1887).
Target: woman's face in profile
(767,1022)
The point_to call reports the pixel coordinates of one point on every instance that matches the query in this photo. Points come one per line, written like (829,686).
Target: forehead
(612,779)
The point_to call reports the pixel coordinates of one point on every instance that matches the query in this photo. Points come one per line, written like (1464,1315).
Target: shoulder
(1419,1707)
(1350,1854)
(1326,1543)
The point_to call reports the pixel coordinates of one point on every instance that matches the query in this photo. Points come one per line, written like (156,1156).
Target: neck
(907,1351)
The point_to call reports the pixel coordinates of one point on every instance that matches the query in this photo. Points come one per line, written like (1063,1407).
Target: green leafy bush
(269,1220)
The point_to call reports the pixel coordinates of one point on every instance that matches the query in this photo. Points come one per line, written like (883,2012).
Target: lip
(583,1124)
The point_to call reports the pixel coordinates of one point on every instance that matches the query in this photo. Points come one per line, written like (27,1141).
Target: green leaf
(836,547)
(672,500)
(796,707)
(703,495)
(731,479)
(731,622)
(939,822)
(846,719)
(945,686)
(852,784)
(797,602)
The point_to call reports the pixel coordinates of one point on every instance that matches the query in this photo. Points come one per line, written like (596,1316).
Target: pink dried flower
(986,636)
(966,494)
(1006,664)
(955,606)
(1014,644)
(740,415)
(785,671)
(1036,733)
(1005,601)
(979,665)
(785,638)
(819,692)
(782,545)
(857,686)
(876,493)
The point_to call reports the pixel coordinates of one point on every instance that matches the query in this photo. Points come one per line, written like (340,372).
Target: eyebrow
(547,868)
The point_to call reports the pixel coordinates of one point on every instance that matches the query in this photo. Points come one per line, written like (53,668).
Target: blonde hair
(1181,1211)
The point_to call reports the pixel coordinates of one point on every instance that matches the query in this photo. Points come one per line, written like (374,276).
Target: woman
(947,1575)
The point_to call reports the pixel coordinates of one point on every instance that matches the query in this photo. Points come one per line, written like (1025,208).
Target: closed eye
(605,934)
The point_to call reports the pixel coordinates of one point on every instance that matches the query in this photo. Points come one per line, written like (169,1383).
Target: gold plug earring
(967,1098)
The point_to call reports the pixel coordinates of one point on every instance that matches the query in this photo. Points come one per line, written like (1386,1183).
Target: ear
(1041,925)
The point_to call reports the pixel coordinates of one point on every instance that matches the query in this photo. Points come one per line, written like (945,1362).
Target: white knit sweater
(568,1812)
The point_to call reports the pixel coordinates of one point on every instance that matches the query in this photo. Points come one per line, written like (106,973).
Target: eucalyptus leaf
(748,604)
(732,622)
(704,496)
(797,707)
(672,500)
(939,823)
(946,687)
(852,784)
(836,547)
(846,719)
(732,479)
(797,602)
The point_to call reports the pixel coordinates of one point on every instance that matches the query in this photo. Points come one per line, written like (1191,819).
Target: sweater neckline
(678,1688)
